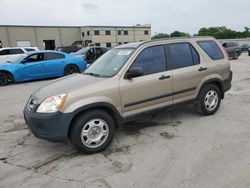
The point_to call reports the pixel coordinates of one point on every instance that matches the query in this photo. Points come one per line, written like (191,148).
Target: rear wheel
(3,79)
(70,69)
(92,131)
(209,100)
(236,55)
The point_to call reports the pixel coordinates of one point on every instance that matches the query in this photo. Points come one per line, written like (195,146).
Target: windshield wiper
(92,74)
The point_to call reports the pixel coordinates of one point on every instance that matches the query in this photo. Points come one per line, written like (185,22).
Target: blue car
(40,65)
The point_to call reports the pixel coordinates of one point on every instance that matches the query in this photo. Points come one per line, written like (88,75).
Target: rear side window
(15,51)
(151,60)
(183,55)
(211,49)
(29,49)
(52,56)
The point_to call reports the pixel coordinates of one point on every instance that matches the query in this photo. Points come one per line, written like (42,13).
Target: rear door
(153,89)
(188,71)
(54,64)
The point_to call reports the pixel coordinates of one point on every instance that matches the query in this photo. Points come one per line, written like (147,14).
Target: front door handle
(202,69)
(163,77)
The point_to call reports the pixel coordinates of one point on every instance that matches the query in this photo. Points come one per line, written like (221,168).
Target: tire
(236,55)
(3,79)
(209,100)
(93,131)
(70,69)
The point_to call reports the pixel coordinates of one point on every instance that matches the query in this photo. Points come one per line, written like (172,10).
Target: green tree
(160,36)
(178,34)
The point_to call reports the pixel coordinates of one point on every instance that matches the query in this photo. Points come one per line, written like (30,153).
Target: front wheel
(209,100)
(70,69)
(92,131)
(3,79)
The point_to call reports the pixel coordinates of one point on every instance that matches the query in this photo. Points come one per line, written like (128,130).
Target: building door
(49,44)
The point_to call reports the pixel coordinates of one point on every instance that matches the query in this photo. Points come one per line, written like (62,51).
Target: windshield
(82,51)
(16,59)
(110,63)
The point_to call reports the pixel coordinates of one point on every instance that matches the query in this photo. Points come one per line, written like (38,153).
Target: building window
(82,34)
(125,42)
(108,45)
(146,32)
(97,44)
(96,32)
(119,32)
(88,33)
(119,43)
(108,32)
(125,32)
(1,44)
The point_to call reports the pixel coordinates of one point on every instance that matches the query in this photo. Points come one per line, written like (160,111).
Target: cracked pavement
(173,149)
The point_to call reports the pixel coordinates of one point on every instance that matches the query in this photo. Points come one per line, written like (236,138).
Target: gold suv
(126,82)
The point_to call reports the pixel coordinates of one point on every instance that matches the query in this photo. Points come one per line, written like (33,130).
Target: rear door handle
(163,77)
(202,69)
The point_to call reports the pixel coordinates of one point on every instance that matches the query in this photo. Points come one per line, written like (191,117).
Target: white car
(7,54)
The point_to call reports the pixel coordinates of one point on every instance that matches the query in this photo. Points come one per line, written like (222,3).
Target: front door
(153,89)
(32,67)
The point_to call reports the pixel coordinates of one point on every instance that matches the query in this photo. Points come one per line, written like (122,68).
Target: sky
(165,16)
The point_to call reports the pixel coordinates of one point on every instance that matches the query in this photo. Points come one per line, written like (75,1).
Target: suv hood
(66,85)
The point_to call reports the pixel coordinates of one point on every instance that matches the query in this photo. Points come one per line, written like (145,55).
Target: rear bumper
(227,84)
(51,127)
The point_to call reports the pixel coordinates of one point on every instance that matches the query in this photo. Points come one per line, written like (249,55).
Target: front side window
(34,58)
(52,56)
(182,55)
(151,60)
(4,52)
(109,63)
(29,49)
(211,49)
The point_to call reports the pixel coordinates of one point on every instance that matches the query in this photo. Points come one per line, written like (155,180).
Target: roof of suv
(137,44)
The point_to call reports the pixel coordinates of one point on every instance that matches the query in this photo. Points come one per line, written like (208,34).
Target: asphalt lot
(173,149)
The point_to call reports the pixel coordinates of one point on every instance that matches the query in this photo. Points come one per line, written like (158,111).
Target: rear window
(29,49)
(211,49)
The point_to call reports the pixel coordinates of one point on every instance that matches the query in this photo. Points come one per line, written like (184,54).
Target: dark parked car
(69,49)
(233,49)
(91,54)
(244,47)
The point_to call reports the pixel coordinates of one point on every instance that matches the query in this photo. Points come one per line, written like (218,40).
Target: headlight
(52,104)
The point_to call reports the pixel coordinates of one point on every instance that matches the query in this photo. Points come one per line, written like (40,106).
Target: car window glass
(52,56)
(98,52)
(34,58)
(181,56)
(151,60)
(211,49)
(4,52)
(196,57)
(15,51)
(29,49)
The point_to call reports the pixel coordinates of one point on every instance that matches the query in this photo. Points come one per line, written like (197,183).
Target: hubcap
(211,100)
(94,133)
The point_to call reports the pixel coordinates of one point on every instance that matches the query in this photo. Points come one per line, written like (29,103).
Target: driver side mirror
(134,72)
(24,61)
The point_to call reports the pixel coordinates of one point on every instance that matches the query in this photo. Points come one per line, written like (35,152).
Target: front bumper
(52,127)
